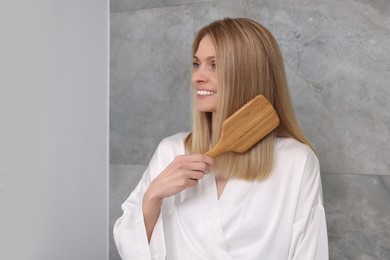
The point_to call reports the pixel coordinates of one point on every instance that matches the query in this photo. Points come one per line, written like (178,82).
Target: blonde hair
(249,63)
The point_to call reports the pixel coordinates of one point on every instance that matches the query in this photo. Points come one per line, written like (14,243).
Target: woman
(263,204)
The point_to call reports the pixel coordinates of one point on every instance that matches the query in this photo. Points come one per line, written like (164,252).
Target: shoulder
(289,149)
(296,163)
(173,144)
(173,140)
(166,151)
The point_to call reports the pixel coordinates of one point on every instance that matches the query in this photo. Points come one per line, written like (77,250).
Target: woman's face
(204,76)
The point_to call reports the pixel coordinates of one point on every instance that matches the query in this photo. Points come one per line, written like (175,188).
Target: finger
(202,158)
(192,183)
(198,166)
(195,175)
(185,182)
(208,160)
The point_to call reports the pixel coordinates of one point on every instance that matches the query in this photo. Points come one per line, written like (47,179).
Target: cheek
(193,78)
(215,80)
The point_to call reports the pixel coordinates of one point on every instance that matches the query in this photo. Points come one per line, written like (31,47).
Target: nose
(199,75)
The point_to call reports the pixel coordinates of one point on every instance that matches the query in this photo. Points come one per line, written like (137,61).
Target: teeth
(205,93)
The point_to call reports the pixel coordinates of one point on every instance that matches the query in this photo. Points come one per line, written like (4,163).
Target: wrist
(151,197)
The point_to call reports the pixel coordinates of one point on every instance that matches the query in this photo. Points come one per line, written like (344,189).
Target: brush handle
(213,152)
(216,150)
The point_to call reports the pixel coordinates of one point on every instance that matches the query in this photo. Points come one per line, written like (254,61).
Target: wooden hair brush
(246,127)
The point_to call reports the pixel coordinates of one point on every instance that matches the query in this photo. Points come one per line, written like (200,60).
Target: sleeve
(129,230)
(309,236)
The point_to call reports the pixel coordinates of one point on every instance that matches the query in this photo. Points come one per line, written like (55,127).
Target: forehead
(206,47)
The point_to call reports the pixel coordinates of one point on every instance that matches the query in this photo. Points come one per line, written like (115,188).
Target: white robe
(280,218)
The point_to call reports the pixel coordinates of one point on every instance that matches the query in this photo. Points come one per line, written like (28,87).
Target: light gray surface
(337,58)
(54,85)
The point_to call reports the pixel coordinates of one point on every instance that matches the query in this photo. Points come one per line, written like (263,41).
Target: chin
(203,109)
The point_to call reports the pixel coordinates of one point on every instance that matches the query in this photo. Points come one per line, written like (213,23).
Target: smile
(205,92)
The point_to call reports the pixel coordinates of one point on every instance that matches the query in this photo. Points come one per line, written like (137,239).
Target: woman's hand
(183,172)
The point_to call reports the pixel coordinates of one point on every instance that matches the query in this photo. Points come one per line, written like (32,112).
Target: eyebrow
(209,58)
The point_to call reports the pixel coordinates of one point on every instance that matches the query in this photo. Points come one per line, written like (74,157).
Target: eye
(213,65)
(195,65)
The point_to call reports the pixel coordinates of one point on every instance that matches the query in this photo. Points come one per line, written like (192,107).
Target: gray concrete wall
(337,56)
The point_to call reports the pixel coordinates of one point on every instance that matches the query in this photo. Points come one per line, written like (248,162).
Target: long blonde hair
(249,63)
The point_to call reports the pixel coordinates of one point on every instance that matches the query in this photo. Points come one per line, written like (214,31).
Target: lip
(206,89)
(202,93)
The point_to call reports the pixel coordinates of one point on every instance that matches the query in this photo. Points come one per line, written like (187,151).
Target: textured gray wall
(337,56)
